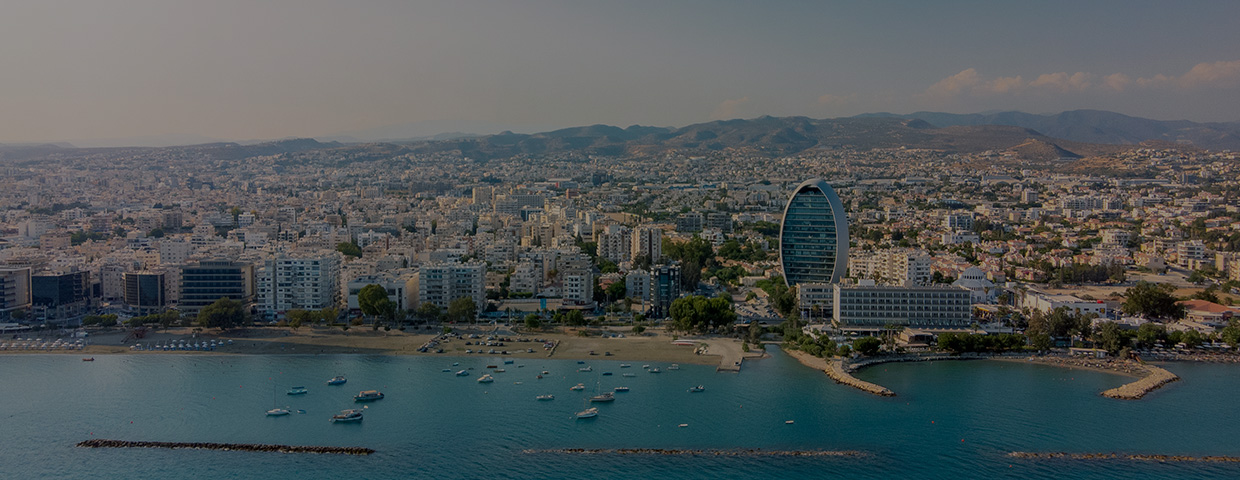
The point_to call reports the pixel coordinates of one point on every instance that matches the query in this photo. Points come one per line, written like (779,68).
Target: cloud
(1063,82)
(1223,74)
(727,110)
(1217,74)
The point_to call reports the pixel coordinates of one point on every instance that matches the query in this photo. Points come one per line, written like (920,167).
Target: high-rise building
(615,243)
(664,289)
(647,242)
(60,296)
(14,290)
(207,281)
(903,266)
(441,283)
(145,292)
(869,308)
(813,236)
(303,282)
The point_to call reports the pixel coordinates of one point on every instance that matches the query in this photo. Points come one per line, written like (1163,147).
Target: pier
(236,447)
(1154,379)
(836,370)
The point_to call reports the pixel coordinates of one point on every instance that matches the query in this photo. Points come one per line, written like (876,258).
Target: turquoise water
(951,420)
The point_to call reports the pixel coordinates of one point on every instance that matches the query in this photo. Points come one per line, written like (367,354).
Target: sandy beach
(655,345)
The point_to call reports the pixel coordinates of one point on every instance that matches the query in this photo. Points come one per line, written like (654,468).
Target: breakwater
(236,447)
(1122,456)
(1155,378)
(748,452)
(835,369)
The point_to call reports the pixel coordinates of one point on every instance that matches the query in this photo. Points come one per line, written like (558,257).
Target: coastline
(834,368)
(654,346)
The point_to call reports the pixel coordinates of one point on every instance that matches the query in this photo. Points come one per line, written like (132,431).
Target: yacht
(655,370)
(487,378)
(545,397)
(337,380)
(588,413)
(277,412)
(625,365)
(298,391)
(622,389)
(696,389)
(368,396)
(585,369)
(462,373)
(603,397)
(354,415)
(578,386)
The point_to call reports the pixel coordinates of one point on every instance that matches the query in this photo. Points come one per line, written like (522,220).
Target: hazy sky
(91,69)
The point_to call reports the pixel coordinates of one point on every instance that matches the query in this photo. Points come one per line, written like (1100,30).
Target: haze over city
(144,72)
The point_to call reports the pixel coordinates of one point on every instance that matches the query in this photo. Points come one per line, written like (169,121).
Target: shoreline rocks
(1155,379)
(240,447)
(835,369)
(749,452)
(1122,456)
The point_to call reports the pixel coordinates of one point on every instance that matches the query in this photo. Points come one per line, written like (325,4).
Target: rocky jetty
(1154,379)
(836,370)
(750,452)
(238,447)
(1122,456)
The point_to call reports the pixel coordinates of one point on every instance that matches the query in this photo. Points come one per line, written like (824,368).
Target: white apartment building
(958,221)
(869,308)
(648,242)
(307,282)
(615,243)
(578,286)
(442,282)
(905,267)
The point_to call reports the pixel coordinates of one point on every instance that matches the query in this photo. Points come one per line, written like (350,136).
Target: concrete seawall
(835,369)
(1153,380)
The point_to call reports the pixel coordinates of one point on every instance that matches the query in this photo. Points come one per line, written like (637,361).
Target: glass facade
(813,237)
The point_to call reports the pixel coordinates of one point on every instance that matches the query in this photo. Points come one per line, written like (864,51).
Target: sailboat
(277,411)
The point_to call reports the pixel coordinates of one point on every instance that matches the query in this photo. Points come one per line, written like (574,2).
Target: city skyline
(144,71)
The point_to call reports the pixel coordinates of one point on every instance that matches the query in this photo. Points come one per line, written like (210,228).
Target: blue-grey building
(813,236)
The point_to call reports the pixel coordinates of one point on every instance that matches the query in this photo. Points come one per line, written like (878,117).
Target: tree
(532,322)
(1111,337)
(1192,338)
(18,315)
(349,249)
(329,314)
(156,233)
(1231,334)
(1153,300)
(698,313)
(616,290)
(463,309)
(428,312)
(575,318)
(373,300)
(867,345)
(1041,341)
(225,313)
(1150,333)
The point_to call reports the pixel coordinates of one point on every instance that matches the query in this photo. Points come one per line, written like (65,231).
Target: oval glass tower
(813,236)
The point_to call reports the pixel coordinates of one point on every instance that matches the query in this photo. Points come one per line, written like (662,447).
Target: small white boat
(603,397)
(622,389)
(462,373)
(630,374)
(655,370)
(337,380)
(368,396)
(500,370)
(683,425)
(587,413)
(298,391)
(696,389)
(545,397)
(585,369)
(577,387)
(354,415)
(674,367)
(486,379)
(277,412)
(625,365)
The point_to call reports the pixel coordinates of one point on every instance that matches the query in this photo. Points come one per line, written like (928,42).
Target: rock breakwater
(239,447)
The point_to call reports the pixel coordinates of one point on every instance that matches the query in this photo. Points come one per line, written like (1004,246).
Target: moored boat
(462,373)
(603,397)
(368,396)
(588,413)
(578,386)
(354,415)
(696,389)
(486,379)
(88,359)
(622,389)
(298,391)
(585,369)
(674,366)
(277,412)
(337,380)
(545,397)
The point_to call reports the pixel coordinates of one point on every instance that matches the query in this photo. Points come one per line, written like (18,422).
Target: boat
(368,396)
(486,379)
(354,415)
(588,413)
(462,373)
(298,391)
(683,425)
(622,389)
(500,370)
(577,387)
(789,422)
(647,367)
(337,380)
(508,362)
(655,370)
(88,359)
(630,374)
(585,369)
(544,372)
(606,374)
(277,412)
(674,366)
(447,370)
(625,365)
(545,397)
(603,397)
(696,389)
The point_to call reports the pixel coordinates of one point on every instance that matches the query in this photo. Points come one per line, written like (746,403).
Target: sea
(950,420)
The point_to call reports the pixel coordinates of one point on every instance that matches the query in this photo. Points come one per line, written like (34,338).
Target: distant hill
(771,136)
(1094,126)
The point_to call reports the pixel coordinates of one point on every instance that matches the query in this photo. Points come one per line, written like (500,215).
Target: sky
(143,71)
